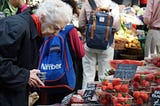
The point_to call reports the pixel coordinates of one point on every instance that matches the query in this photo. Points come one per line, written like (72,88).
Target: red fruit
(150,77)
(134,26)
(156,88)
(118,104)
(109,86)
(137,77)
(119,95)
(157,75)
(114,100)
(155,60)
(77,99)
(147,84)
(105,82)
(144,95)
(124,88)
(104,87)
(139,101)
(158,64)
(157,81)
(117,88)
(122,100)
(127,105)
(136,94)
(116,81)
(135,84)
(146,72)
(104,101)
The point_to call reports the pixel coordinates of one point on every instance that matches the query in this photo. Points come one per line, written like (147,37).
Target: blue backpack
(99,33)
(56,61)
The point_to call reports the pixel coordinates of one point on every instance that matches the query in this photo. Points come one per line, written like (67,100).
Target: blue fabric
(99,39)
(54,62)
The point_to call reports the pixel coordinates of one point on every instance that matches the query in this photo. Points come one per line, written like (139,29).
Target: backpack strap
(66,29)
(42,49)
(92,4)
(93,24)
(94,7)
(107,29)
(62,34)
(64,51)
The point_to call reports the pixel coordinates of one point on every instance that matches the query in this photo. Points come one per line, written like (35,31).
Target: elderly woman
(21,38)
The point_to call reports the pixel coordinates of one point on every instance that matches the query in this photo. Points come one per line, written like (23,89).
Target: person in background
(127,2)
(21,38)
(20,4)
(12,7)
(152,20)
(94,56)
(73,4)
(143,3)
(76,47)
(6,8)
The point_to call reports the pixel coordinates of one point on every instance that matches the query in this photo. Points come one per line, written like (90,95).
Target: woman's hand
(34,81)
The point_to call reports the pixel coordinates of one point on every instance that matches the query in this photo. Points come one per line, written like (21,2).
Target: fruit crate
(120,99)
(104,98)
(153,59)
(153,88)
(156,79)
(143,80)
(120,44)
(141,97)
(114,85)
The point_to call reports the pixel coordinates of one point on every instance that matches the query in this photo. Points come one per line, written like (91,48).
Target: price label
(89,92)
(156,98)
(127,10)
(66,99)
(125,71)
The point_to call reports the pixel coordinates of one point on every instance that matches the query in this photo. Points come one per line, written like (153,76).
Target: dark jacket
(19,50)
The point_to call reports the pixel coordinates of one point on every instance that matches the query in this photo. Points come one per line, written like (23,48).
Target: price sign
(127,10)
(156,98)
(66,99)
(125,71)
(89,92)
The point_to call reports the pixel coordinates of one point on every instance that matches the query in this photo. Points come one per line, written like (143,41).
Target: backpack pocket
(102,37)
(52,62)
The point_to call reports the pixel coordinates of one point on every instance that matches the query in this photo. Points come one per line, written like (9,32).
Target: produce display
(128,35)
(136,91)
(120,99)
(127,40)
(143,80)
(153,59)
(115,85)
(115,63)
(141,98)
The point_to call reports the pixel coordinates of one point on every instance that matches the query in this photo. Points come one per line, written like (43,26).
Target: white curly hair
(54,10)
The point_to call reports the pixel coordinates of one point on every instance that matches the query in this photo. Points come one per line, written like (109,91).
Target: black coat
(19,53)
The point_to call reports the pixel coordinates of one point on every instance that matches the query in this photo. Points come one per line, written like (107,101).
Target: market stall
(130,39)
(133,83)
